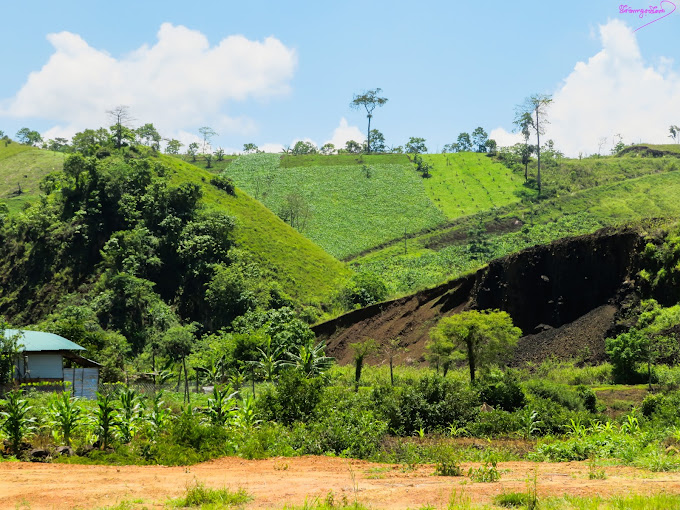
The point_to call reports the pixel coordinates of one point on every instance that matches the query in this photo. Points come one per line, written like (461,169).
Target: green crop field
(348,211)
(289,161)
(304,270)
(648,197)
(466,183)
(21,168)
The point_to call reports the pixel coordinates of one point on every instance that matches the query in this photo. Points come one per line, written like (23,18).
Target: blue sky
(445,67)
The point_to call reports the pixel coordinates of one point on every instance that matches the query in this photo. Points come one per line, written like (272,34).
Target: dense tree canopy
(485,338)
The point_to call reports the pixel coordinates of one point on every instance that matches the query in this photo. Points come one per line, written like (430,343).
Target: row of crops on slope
(344,209)
(467,183)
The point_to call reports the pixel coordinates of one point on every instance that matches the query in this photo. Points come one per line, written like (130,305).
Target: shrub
(224,183)
(431,403)
(494,423)
(350,432)
(363,289)
(293,399)
(625,352)
(501,390)
(487,472)
(558,393)
(207,440)
(588,397)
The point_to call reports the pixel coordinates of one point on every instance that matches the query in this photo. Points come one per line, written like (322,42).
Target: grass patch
(21,169)
(311,160)
(515,500)
(198,495)
(661,501)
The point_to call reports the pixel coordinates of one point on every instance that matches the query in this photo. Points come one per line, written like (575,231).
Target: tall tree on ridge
(369,100)
(537,106)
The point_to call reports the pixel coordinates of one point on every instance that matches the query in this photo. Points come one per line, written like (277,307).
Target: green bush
(224,183)
(559,393)
(651,403)
(293,399)
(364,288)
(431,403)
(348,432)
(495,423)
(588,397)
(625,352)
(501,390)
(207,440)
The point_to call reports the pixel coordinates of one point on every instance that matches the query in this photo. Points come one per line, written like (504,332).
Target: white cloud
(504,138)
(343,133)
(271,147)
(615,91)
(179,82)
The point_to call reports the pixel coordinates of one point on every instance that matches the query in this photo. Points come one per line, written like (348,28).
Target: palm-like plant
(220,406)
(64,415)
(214,372)
(159,414)
(130,413)
(105,419)
(17,424)
(310,359)
(270,361)
(245,415)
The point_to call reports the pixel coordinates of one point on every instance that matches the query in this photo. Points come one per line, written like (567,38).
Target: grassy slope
(303,268)
(646,197)
(467,183)
(350,212)
(24,166)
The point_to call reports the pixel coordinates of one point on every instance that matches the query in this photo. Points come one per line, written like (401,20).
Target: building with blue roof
(42,358)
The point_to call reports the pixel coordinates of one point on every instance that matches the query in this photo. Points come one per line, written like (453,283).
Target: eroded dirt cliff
(563,296)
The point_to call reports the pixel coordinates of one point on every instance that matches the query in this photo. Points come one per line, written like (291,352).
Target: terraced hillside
(451,252)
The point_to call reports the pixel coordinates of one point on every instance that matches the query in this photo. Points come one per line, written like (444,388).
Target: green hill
(306,271)
(351,207)
(21,169)
(448,253)
(467,183)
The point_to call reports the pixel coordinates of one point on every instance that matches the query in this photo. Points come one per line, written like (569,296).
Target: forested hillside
(124,245)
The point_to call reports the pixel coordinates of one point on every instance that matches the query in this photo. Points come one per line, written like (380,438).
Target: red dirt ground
(279,481)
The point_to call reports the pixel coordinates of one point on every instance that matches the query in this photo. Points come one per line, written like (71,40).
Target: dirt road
(275,482)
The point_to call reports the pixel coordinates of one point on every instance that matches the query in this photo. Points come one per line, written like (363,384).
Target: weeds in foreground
(328,503)
(198,495)
(487,472)
(595,472)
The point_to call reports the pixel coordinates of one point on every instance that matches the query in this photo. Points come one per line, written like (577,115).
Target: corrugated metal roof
(33,341)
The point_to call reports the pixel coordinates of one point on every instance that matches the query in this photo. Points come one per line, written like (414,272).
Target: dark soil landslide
(543,288)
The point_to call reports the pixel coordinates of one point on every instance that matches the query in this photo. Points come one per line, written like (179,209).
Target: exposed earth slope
(544,289)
